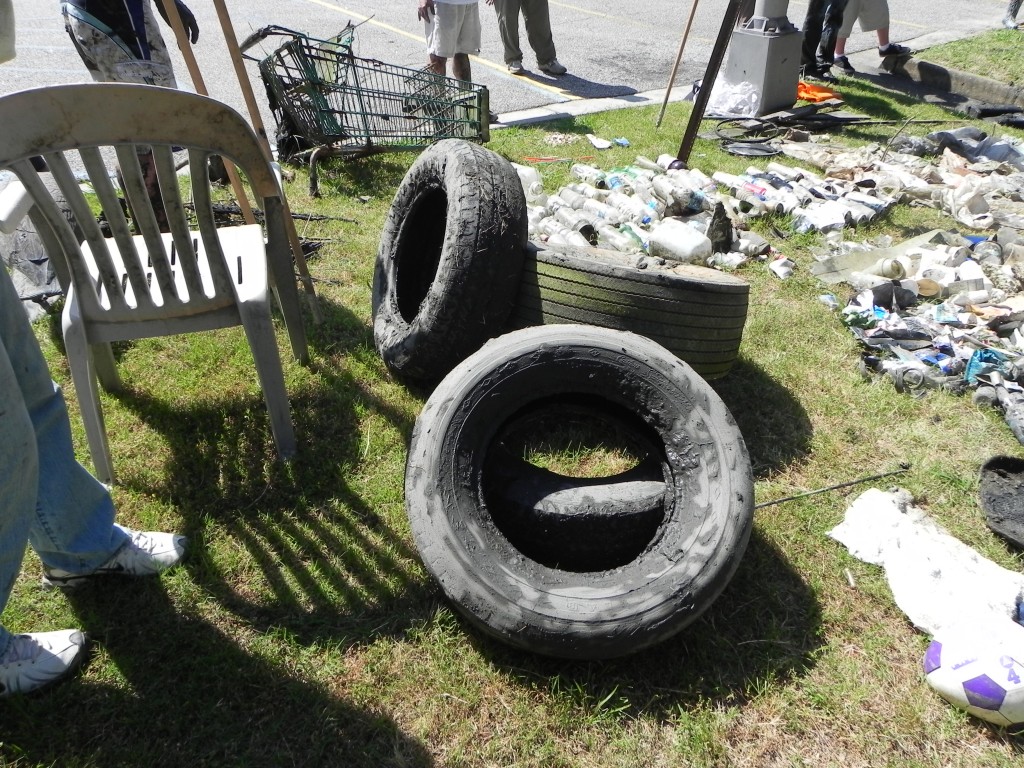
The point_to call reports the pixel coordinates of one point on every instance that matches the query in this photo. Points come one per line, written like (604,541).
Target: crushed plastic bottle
(674,239)
(559,233)
(533,185)
(589,174)
(609,236)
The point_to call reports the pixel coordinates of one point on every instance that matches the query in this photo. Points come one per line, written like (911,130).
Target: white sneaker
(553,68)
(146,553)
(516,67)
(35,660)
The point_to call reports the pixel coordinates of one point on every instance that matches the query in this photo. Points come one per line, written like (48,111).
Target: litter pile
(648,208)
(941,311)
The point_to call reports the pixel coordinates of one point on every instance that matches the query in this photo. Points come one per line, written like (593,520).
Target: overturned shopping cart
(328,102)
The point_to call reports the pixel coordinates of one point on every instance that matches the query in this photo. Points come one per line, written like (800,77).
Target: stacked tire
(573,567)
(696,313)
(450,259)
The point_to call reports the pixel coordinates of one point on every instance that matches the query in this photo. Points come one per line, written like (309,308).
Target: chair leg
(106,368)
(259,330)
(288,300)
(282,280)
(84,378)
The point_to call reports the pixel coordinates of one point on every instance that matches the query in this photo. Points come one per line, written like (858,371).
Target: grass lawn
(994,54)
(303,630)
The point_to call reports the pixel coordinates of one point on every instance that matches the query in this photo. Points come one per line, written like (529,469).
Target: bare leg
(438,65)
(883,37)
(461,67)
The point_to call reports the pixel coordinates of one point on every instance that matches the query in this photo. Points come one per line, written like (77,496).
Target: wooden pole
(714,64)
(679,58)
(257,122)
(181,36)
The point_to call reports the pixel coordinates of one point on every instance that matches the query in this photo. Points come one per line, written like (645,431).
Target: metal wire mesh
(363,105)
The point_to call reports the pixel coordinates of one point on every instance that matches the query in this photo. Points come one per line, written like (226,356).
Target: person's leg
(113,59)
(19,464)
(537,18)
(467,40)
(508,29)
(461,68)
(33,660)
(812,27)
(438,65)
(73,525)
(830,34)
(441,33)
(1010,20)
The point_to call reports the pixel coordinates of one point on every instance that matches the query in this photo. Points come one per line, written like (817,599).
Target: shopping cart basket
(340,104)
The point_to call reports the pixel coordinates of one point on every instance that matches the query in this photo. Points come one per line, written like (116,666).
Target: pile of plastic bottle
(625,209)
(648,207)
(942,316)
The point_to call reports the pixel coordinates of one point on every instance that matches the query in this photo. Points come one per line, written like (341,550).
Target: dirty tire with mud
(695,312)
(451,253)
(468,525)
(1001,492)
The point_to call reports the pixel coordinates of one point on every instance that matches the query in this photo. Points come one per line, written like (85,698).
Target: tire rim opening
(576,484)
(418,257)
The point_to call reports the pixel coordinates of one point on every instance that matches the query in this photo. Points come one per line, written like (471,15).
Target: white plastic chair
(150,284)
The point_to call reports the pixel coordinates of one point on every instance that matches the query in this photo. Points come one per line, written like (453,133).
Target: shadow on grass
(192,695)
(774,425)
(762,630)
(328,566)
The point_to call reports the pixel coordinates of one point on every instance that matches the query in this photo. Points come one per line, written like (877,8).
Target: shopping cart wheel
(450,259)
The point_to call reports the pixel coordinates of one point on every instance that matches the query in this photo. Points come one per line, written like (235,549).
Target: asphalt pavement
(618,54)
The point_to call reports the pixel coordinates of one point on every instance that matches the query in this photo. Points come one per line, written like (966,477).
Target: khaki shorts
(454,28)
(872,15)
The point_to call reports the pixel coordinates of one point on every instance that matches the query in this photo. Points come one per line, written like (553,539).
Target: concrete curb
(954,81)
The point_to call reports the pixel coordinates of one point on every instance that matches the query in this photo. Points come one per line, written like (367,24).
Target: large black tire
(450,259)
(603,610)
(695,312)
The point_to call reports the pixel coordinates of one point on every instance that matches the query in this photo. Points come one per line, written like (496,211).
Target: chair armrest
(15,202)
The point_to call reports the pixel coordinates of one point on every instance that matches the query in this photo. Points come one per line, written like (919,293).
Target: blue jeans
(47,498)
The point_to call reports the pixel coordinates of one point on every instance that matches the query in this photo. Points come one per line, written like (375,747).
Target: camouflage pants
(110,59)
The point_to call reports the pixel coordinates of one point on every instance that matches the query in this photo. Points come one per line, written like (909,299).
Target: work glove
(188,20)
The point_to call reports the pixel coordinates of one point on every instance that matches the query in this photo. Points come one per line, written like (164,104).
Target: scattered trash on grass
(967,603)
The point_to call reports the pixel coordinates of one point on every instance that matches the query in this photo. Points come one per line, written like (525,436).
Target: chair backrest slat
(157,257)
(108,280)
(185,256)
(203,202)
(99,178)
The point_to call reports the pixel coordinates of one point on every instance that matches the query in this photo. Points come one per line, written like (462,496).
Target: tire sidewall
(562,613)
(464,291)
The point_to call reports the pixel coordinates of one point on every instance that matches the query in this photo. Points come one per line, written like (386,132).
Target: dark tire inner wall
(571,523)
(546,608)
(417,260)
